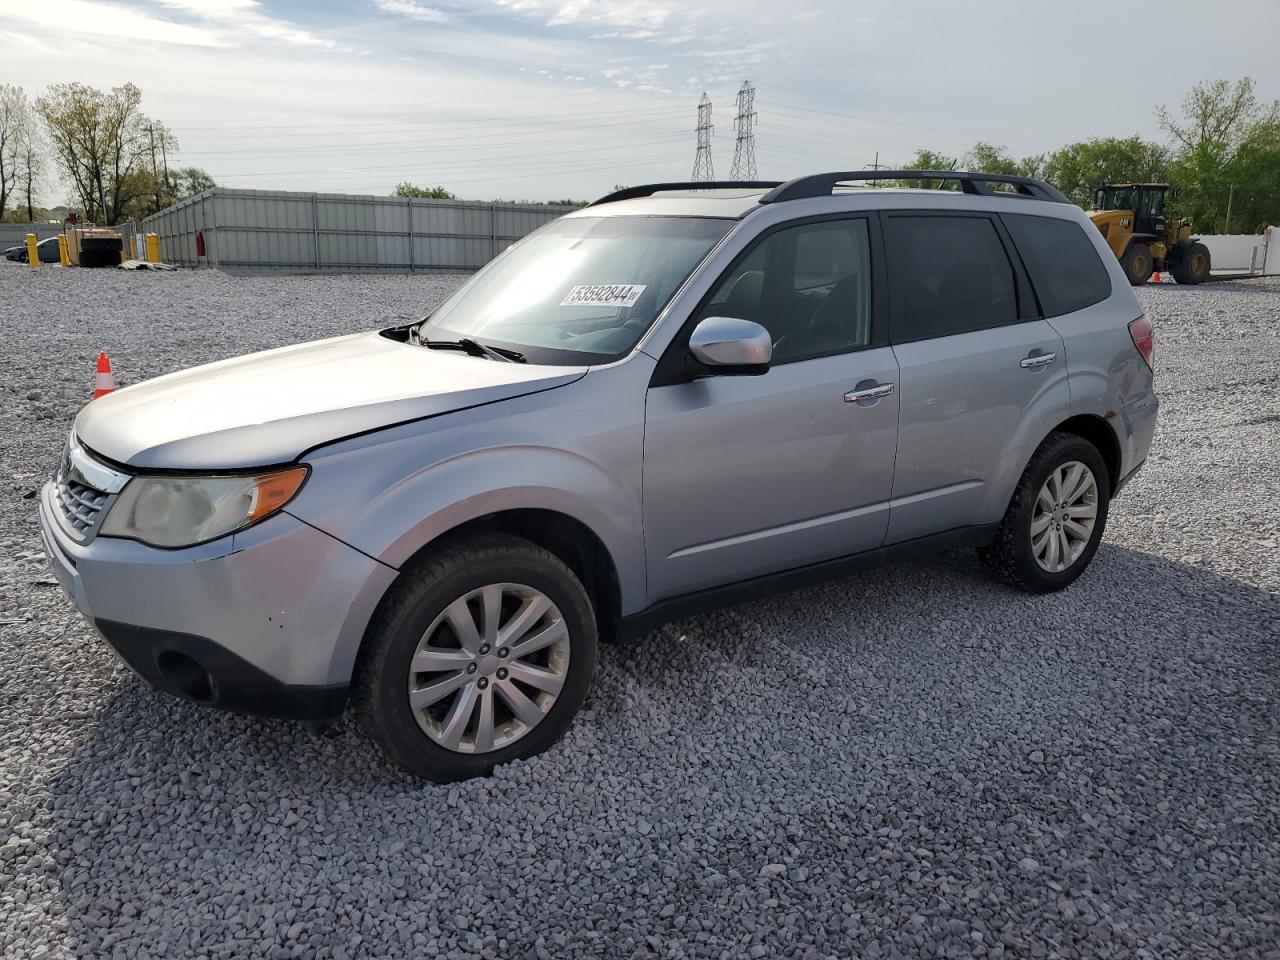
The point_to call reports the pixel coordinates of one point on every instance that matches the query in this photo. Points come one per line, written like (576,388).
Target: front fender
(448,494)
(576,451)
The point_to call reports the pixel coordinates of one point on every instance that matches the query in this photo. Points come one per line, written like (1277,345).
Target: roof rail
(823,184)
(649,189)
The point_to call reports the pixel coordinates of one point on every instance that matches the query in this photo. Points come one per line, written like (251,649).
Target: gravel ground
(915,762)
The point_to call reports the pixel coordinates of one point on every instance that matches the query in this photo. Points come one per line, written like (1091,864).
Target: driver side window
(809,286)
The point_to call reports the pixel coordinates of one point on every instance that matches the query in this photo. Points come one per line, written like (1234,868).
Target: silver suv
(682,395)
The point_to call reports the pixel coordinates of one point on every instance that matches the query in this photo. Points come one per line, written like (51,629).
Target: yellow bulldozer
(1131,219)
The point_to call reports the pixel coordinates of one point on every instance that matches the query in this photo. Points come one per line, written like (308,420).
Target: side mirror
(726,345)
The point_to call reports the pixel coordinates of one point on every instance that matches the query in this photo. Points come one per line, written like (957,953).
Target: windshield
(580,290)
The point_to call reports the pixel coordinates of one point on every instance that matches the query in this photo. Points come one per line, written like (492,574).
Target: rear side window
(948,275)
(1062,262)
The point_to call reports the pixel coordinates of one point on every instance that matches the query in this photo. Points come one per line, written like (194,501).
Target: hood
(267,408)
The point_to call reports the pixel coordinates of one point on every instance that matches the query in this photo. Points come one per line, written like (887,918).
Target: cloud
(412,10)
(109,20)
(245,17)
(626,35)
(622,14)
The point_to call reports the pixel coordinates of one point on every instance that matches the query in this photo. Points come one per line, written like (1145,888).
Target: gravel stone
(859,769)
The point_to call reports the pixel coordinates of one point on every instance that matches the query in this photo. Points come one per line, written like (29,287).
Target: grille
(81,504)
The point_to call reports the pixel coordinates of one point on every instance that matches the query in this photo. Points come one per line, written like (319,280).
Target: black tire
(1137,263)
(379,690)
(1193,264)
(1011,556)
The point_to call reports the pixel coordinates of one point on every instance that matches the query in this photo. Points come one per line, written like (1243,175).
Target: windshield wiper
(476,349)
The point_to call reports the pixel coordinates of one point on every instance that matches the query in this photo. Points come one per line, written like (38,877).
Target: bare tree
(15,119)
(31,165)
(101,141)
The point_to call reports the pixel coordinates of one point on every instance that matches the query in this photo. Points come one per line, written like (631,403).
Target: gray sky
(543,99)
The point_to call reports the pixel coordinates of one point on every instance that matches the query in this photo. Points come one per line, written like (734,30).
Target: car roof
(732,204)
(736,204)
(736,198)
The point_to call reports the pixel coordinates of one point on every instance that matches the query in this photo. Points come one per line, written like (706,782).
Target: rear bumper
(1139,429)
(266,622)
(1124,481)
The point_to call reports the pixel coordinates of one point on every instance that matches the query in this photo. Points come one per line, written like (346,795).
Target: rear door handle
(1037,360)
(868,390)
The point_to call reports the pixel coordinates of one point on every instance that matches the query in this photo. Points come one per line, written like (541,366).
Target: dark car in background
(46,249)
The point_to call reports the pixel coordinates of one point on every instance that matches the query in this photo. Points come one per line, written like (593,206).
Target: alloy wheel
(1065,513)
(489,668)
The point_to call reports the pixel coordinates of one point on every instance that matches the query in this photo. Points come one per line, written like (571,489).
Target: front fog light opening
(185,677)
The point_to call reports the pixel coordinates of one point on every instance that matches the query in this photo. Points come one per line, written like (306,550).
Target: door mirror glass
(728,345)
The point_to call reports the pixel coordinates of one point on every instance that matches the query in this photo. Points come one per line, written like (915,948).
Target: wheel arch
(1102,435)
(572,541)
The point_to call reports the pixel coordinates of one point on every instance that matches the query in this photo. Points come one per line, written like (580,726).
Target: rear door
(982,376)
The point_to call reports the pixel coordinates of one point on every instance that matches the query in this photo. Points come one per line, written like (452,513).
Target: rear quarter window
(1062,261)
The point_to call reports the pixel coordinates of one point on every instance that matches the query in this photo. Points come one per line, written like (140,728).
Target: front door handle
(868,392)
(1035,360)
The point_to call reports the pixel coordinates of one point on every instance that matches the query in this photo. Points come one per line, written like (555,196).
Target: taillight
(1144,338)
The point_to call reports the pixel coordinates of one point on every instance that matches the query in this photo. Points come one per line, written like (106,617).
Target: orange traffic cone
(1156,278)
(104,383)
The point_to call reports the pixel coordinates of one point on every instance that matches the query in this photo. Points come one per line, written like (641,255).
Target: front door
(745,476)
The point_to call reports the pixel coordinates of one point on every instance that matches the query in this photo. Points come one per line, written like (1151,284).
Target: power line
(703,169)
(744,147)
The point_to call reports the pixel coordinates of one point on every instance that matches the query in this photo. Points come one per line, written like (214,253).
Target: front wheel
(1137,263)
(481,655)
(1056,518)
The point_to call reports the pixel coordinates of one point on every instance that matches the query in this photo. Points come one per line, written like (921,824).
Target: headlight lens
(184,511)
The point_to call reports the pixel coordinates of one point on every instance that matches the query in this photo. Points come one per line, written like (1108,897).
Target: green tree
(1078,168)
(187,182)
(983,157)
(989,158)
(1253,186)
(927,160)
(143,194)
(1224,140)
(407,189)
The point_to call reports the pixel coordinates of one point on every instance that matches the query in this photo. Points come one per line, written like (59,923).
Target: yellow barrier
(63,255)
(33,252)
(153,247)
(133,251)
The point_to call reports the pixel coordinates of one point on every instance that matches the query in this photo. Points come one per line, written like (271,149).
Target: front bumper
(267,621)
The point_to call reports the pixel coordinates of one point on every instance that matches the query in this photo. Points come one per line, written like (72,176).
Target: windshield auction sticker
(604,295)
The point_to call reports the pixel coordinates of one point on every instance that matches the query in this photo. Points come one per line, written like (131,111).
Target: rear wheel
(482,655)
(1193,265)
(1056,518)
(1137,263)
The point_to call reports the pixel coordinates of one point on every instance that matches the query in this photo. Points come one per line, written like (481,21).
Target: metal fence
(12,234)
(253,231)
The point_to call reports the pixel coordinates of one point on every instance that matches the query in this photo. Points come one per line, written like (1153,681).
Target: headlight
(184,511)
